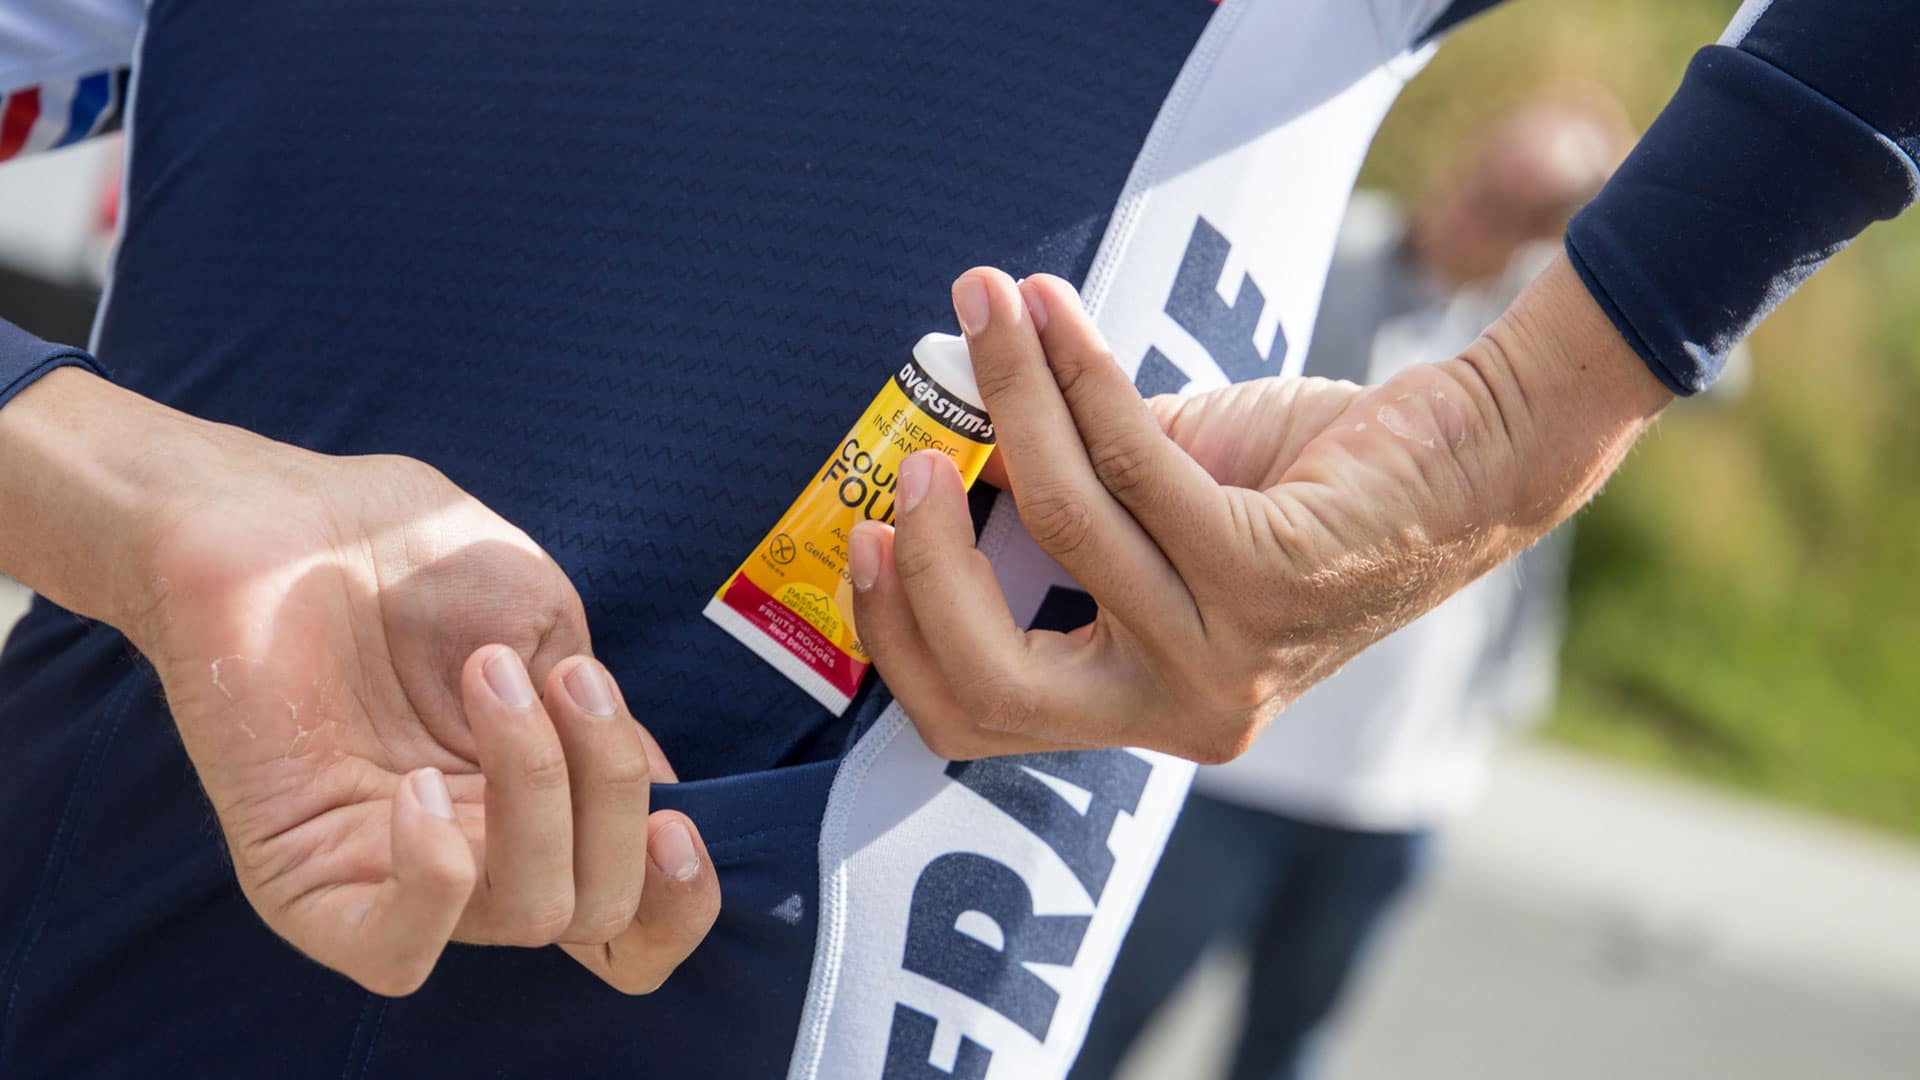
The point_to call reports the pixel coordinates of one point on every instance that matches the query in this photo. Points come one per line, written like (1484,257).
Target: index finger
(1062,503)
(1173,498)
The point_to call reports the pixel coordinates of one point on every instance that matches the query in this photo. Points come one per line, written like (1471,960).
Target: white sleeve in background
(61,65)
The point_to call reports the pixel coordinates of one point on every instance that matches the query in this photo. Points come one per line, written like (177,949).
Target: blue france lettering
(1225,331)
(958,883)
(961,882)
(1159,375)
(1113,778)
(910,1051)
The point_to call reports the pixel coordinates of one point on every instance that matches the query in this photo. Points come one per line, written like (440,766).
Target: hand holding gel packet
(791,601)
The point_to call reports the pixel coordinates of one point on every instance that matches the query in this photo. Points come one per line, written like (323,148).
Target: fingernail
(431,789)
(863,558)
(507,677)
(588,688)
(673,849)
(915,474)
(1074,294)
(1036,304)
(970,304)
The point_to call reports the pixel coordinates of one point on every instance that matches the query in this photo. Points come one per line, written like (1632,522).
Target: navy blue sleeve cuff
(25,358)
(1748,182)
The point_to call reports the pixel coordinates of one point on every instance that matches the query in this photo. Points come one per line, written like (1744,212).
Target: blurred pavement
(1589,922)
(1593,922)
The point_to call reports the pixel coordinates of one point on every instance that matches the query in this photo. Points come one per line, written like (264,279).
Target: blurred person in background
(1303,846)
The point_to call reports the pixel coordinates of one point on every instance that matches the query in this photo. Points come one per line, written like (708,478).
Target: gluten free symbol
(781,549)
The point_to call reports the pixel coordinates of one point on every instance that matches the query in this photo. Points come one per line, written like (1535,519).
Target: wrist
(92,470)
(1566,395)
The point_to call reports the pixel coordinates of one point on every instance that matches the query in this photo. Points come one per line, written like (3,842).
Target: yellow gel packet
(791,601)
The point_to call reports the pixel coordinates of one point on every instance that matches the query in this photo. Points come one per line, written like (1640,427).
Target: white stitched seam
(823,984)
(1743,21)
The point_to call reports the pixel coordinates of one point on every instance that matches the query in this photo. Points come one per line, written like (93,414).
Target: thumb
(414,912)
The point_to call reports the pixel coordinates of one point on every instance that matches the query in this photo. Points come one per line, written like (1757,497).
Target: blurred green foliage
(1746,594)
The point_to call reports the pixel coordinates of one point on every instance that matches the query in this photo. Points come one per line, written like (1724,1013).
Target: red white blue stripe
(56,114)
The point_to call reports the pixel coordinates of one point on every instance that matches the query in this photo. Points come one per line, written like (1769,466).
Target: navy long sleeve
(25,358)
(1783,143)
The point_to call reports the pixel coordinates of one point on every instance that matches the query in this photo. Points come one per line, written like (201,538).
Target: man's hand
(351,649)
(1241,545)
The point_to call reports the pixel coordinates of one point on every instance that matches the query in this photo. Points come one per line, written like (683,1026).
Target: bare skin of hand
(1241,545)
(387,692)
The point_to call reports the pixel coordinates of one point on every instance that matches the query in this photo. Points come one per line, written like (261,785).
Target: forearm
(88,467)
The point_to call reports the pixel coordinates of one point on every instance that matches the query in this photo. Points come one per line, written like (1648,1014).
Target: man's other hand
(387,691)
(351,649)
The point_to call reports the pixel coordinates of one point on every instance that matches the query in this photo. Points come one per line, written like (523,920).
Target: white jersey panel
(970,913)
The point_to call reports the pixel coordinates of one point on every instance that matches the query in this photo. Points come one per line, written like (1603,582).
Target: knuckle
(996,381)
(539,921)
(1058,518)
(914,562)
(1242,694)
(602,925)
(628,777)
(394,978)
(944,743)
(451,875)
(392,468)
(1077,364)
(639,984)
(545,771)
(1003,705)
(1123,464)
(1234,682)
(1220,744)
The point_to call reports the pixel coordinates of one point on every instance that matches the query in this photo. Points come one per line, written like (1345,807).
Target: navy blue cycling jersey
(624,271)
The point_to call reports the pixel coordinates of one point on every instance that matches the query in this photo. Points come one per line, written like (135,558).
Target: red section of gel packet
(779,623)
